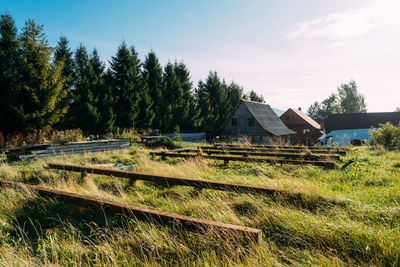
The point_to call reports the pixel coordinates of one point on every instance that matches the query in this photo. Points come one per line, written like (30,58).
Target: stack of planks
(57,149)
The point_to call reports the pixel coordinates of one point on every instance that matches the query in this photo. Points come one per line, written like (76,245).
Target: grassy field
(360,227)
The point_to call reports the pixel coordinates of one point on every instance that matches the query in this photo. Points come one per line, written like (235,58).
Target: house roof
(360,120)
(267,118)
(305,118)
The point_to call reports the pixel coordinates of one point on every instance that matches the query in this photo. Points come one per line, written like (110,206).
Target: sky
(293,52)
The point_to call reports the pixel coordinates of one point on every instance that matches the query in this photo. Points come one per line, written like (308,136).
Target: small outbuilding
(307,130)
(257,122)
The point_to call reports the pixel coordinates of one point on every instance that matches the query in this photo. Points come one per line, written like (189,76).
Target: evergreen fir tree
(235,94)
(126,80)
(41,83)
(146,114)
(63,55)
(102,93)
(83,110)
(105,105)
(9,59)
(186,107)
(154,73)
(172,95)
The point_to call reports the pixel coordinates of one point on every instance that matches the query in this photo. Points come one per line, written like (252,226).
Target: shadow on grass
(36,217)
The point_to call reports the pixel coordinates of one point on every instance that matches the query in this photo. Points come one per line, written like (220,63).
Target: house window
(251,122)
(234,122)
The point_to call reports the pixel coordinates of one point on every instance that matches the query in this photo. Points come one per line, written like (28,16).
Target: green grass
(360,227)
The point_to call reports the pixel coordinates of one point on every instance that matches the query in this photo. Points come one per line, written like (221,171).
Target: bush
(132,134)
(388,135)
(72,135)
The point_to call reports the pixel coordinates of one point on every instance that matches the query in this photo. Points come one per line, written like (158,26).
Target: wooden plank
(226,159)
(286,150)
(23,149)
(181,149)
(288,147)
(169,180)
(269,153)
(160,217)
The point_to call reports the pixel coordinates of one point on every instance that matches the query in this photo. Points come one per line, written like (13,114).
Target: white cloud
(349,24)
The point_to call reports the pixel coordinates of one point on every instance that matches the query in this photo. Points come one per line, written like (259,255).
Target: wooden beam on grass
(168,180)
(269,153)
(226,159)
(261,149)
(160,217)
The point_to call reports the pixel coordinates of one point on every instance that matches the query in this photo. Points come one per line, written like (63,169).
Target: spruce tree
(83,109)
(152,70)
(64,56)
(102,94)
(234,94)
(126,80)
(212,99)
(186,107)
(105,105)
(9,59)
(41,83)
(172,95)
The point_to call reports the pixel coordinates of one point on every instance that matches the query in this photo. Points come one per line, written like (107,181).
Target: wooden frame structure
(186,222)
(226,159)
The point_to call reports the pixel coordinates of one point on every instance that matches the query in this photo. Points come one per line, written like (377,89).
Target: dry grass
(302,231)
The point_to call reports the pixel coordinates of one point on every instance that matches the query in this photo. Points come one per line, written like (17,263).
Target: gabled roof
(305,118)
(360,120)
(267,118)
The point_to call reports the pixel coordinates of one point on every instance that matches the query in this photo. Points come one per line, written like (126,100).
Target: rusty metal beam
(187,223)
(226,159)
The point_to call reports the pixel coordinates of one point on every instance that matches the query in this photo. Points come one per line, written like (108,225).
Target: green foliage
(84,111)
(9,58)
(388,135)
(351,101)
(71,135)
(347,100)
(126,81)
(34,87)
(43,87)
(216,101)
(152,70)
(64,56)
(252,96)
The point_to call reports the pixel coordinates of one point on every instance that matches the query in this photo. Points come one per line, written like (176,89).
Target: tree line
(347,100)
(42,87)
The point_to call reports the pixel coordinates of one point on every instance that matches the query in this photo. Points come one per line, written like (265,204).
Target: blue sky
(292,52)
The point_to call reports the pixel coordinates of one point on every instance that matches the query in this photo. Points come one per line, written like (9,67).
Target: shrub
(388,135)
(72,135)
(132,134)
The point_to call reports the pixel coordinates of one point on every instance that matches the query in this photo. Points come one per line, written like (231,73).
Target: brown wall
(305,133)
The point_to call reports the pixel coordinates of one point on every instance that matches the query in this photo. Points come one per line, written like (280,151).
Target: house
(307,130)
(342,129)
(256,121)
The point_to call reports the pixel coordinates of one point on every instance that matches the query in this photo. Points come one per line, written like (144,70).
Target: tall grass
(361,227)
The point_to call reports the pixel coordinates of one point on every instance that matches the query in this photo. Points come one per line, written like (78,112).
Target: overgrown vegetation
(42,136)
(388,136)
(361,229)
